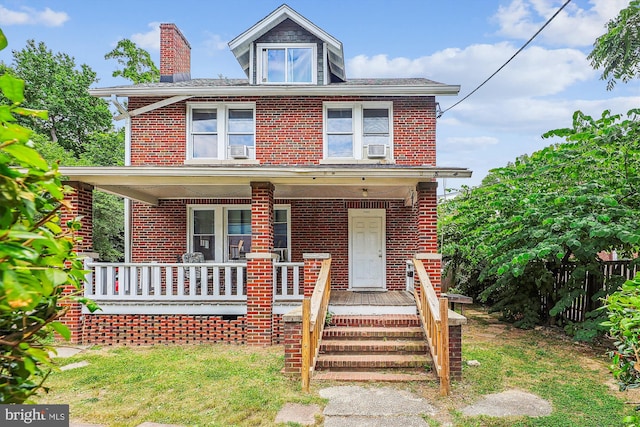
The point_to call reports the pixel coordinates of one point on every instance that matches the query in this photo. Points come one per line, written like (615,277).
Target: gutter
(290,90)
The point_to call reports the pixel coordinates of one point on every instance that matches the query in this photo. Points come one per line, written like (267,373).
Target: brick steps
(373,376)
(373,332)
(383,321)
(366,361)
(373,348)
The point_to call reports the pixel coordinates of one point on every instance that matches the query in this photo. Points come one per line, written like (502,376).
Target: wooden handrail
(434,316)
(314,312)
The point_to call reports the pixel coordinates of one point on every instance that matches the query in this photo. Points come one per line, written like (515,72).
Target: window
(294,63)
(238,233)
(221,132)
(358,131)
(204,234)
(223,233)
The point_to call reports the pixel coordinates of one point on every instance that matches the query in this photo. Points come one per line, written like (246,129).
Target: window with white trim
(220,131)
(223,233)
(287,63)
(360,130)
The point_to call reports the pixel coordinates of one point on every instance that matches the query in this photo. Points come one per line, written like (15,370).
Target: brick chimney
(175,55)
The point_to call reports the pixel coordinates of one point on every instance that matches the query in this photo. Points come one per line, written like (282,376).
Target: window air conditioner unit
(376,151)
(239,151)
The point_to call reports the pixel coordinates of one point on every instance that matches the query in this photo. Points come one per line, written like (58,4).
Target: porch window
(282,63)
(223,233)
(204,233)
(220,131)
(238,233)
(358,131)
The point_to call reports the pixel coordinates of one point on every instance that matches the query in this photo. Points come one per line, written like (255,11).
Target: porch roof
(149,184)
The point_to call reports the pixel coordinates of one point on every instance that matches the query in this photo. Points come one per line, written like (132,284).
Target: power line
(509,60)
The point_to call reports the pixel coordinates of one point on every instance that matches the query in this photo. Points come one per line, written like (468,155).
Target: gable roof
(241,45)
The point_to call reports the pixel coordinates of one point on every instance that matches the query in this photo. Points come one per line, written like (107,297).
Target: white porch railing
(184,283)
(287,281)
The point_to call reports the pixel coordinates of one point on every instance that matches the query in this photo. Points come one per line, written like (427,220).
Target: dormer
(285,48)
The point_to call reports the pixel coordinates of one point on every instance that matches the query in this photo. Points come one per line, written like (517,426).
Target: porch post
(260,266)
(81,202)
(428,231)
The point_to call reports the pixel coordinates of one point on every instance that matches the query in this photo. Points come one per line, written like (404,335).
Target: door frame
(368,213)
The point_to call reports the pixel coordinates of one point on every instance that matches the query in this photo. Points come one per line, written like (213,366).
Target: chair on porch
(193,257)
(236,251)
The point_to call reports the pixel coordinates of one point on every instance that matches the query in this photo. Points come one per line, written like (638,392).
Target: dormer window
(287,63)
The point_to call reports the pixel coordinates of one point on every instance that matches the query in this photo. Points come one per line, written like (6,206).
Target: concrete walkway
(389,407)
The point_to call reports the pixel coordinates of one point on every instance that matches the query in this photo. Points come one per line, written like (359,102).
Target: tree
(617,51)
(54,84)
(136,63)
(567,202)
(101,149)
(37,260)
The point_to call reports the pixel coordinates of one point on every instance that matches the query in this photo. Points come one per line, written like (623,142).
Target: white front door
(367,251)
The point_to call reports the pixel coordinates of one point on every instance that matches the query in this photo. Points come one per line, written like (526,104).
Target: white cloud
(30,16)
(214,42)
(531,115)
(534,72)
(574,26)
(149,40)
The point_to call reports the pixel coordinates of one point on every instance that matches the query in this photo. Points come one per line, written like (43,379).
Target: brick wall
(160,233)
(288,130)
(81,202)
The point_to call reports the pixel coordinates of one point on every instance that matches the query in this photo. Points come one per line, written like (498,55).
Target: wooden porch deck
(391,302)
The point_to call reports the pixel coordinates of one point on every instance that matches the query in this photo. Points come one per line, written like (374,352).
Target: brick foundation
(142,329)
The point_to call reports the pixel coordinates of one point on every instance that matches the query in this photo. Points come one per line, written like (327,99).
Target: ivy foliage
(37,261)
(507,240)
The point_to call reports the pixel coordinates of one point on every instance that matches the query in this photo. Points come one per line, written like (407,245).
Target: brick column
(428,231)
(260,266)
(455,344)
(312,266)
(293,341)
(81,202)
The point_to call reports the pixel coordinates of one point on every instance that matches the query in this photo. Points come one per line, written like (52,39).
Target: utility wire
(510,59)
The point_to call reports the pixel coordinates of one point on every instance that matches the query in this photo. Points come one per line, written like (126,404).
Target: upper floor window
(359,130)
(219,132)
(287,63)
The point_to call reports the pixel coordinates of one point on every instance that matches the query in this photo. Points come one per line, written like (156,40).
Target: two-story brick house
(297,162)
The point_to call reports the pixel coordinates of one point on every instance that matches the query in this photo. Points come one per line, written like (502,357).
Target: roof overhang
(280,90)
(150,184)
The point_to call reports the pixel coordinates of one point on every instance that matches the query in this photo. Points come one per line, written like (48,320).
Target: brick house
(263,176)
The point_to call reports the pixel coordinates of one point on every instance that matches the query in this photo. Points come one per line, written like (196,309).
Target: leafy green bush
(37,261)
(623,311)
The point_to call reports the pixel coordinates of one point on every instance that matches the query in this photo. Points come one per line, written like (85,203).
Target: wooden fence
(592,286)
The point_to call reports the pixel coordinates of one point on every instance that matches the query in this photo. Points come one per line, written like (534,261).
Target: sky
(459,42)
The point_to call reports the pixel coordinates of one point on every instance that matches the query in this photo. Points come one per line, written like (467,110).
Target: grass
(223,385)
(214,385)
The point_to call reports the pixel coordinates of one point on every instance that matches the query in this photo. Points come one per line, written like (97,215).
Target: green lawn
(223,385)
